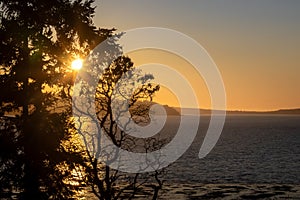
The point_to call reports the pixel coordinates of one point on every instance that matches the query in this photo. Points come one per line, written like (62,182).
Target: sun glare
(76,64)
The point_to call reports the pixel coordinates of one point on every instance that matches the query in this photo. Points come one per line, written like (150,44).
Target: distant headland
(192,111)
(144,106)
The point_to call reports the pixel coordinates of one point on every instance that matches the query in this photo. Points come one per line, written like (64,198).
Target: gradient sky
(255,43)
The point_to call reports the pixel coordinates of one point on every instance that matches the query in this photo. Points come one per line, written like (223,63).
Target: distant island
(276,112)
(191,111)
(141,108)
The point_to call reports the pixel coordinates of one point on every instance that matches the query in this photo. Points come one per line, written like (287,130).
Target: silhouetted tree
(119,79)
(38,40)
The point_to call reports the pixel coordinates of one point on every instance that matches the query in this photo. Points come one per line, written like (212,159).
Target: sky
(255,45)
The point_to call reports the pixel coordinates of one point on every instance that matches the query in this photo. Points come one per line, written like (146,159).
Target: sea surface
(256,157)
(251,149)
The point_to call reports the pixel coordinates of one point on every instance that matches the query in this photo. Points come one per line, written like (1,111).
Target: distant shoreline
(194,111)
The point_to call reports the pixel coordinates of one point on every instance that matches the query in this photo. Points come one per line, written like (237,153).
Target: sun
(76,64)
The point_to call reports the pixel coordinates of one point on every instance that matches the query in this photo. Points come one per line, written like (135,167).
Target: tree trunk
(31,185)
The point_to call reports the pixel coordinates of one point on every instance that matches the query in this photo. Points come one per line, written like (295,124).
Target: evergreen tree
(38,41)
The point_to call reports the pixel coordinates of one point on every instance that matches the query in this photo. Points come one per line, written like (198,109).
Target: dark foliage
(38,40)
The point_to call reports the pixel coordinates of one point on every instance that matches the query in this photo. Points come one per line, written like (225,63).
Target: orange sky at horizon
(255,45)
(166,97)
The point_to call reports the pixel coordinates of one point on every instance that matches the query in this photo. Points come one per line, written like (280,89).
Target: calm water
(251,149)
